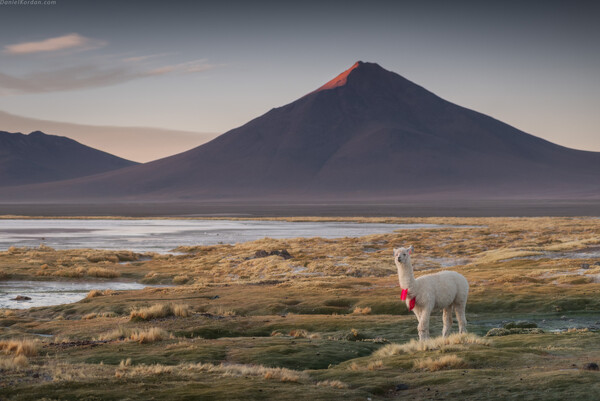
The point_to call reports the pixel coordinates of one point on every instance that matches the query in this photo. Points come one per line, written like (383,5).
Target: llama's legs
(424,324)
(447,321)
(462,320)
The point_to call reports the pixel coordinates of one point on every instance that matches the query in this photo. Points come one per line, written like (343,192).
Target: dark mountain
(367,134)
(37,157)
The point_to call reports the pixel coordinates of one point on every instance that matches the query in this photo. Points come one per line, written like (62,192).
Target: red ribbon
(411,303)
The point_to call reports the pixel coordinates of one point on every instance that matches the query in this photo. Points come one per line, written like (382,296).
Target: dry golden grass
(13,250)
(224,370)
(496,255)
(446,343)
(24,347)
(119,333)
(575,244)
(45,248)
(70,273)
(143,336)
(89,316)
(441,363)
(221,311)
(332,383)
(159,311)
(181,310)
(150,335)
(362,311)
(301,333)
(375,365)
(181,279)
(17,363)
(151,312)
(102,272)
(7,313)
(94,293)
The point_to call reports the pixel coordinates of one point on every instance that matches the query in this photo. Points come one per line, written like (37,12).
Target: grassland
(324,324)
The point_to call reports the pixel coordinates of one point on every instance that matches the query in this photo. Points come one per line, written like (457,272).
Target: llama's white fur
(442,290)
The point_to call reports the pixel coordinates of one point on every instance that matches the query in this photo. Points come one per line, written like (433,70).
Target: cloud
(88,76)
(188,67)
(66,79)
(138,59)
(72,41)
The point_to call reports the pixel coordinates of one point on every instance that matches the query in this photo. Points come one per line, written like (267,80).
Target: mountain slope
(367,134)
(38,157)
(141,144)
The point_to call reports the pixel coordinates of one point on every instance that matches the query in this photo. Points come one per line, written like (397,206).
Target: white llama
(442,290)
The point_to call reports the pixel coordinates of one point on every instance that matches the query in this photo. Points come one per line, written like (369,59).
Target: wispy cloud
(72,78)
(188,67)
(88,76)
(138,59)
(72,41)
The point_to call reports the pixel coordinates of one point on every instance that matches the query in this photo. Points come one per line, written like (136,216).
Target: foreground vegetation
(249,321)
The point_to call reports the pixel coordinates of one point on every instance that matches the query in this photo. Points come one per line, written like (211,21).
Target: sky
(208,67)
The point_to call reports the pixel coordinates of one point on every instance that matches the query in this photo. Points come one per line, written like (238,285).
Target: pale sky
(212,66)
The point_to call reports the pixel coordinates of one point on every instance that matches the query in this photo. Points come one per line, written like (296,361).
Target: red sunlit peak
(340,80)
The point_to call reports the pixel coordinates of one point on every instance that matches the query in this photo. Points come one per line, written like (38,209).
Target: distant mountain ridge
(37,157)
(140,144)
(368,134)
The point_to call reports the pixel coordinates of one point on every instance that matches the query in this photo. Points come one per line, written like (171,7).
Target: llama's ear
(395,251)
(411,249)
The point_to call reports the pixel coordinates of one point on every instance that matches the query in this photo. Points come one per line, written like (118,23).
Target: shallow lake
(163,235)
(46,293)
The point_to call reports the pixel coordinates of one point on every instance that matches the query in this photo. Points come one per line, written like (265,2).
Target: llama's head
(402,255)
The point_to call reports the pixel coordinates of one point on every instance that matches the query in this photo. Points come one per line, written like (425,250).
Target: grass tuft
(441,363)
(143,336)
(430,344)
(14,364)
(24,347)
(362,311)
(332,383)
(102,272)
(159,311)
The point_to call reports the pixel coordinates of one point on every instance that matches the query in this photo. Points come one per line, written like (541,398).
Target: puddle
(47,293)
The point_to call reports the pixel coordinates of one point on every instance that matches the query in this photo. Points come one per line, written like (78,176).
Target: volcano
(368,134)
